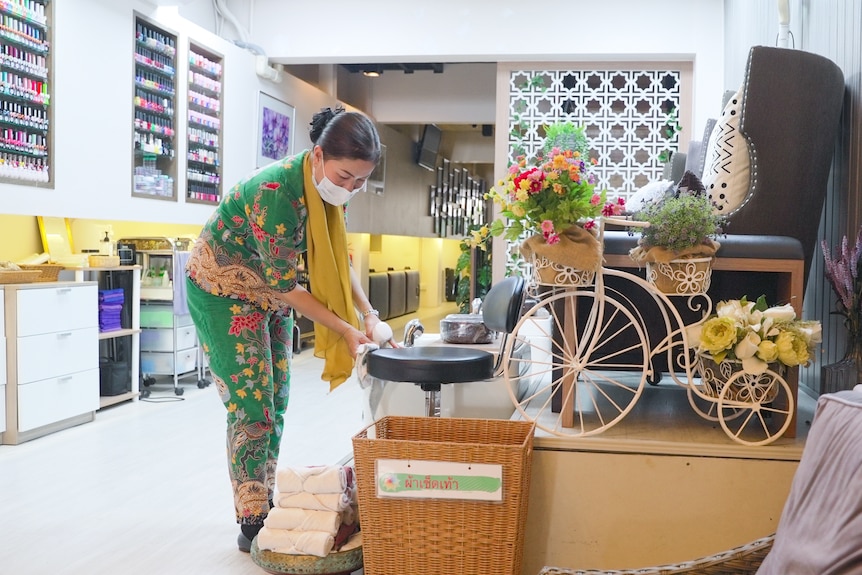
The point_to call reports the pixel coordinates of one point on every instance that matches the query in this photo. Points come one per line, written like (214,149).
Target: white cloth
(290,542)
(293,518)
(319,501)
(317,479)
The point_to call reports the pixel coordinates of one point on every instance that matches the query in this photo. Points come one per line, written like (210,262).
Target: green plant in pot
(680,240)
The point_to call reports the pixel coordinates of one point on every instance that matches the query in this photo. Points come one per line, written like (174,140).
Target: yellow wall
(20,238)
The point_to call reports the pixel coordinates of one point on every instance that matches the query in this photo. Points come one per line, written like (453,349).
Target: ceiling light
(372,73)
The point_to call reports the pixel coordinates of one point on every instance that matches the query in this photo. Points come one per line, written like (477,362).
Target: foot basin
(465,328)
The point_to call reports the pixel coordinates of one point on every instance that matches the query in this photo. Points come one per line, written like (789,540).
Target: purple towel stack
(110,309)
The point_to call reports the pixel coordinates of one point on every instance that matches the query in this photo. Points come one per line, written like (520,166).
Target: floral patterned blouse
(248,249)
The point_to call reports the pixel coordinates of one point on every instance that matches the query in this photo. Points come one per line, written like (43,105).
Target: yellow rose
(518,210)
(767,351)
(718,334)
(792,349)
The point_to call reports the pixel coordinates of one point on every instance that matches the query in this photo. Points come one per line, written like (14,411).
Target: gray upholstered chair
(820,529)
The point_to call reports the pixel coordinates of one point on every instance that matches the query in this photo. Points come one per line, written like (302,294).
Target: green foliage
(670,129)
(566,136)
(679,222)
(465,272)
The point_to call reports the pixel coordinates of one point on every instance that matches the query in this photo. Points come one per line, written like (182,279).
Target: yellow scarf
(329,276)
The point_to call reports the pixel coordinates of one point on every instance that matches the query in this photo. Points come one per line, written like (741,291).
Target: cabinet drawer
(54,354)
(2,408)
(2,360)
(162,339)
(2,317)
(60,308)
(51,400)
(162,362)
(155,315)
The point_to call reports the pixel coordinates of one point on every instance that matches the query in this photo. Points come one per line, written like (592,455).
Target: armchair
(820,529)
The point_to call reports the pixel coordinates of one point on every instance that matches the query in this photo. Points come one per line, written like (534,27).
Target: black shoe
(244,543)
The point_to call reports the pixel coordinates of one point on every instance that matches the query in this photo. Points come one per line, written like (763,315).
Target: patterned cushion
(728,166)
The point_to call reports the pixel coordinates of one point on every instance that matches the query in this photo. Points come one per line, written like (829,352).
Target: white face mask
(332,193)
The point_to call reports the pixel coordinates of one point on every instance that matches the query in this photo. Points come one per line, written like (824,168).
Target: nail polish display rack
(25,116)
(155,102)
(203,157)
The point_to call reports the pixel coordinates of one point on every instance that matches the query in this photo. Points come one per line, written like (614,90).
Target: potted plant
(552,199)
(678,242)
(842,270)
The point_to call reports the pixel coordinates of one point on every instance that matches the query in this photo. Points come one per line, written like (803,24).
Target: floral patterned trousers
(249,352)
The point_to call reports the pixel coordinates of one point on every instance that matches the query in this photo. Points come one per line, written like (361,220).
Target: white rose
(747,347)
(692,333)
(812,331)
(781,313)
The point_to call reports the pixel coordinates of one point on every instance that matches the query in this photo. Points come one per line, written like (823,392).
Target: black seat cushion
(431,364)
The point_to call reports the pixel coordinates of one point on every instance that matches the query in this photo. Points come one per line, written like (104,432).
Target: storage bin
(160,315)
(115,377)
(433,536)
(160,362)
(155,339)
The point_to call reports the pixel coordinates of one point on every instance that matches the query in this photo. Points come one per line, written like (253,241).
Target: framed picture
(274,129)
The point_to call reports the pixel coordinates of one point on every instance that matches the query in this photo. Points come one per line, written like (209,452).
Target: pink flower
(589,224)
(547,227)
(552,239)
(596,199)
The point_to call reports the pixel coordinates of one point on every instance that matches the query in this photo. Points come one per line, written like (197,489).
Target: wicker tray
(50,272)
(19,277)
(434,537)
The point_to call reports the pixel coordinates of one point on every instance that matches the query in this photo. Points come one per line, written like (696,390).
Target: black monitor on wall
(429,147)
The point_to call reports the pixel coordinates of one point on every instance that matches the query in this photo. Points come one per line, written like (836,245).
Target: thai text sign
(405,478)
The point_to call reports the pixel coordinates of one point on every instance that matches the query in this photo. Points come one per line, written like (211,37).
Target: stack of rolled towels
(315,511)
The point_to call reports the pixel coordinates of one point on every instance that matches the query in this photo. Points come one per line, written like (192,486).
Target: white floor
(144,488)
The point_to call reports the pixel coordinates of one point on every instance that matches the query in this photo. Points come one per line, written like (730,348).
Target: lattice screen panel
(625,113)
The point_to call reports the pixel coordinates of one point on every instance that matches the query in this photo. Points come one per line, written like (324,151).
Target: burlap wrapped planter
(689,276)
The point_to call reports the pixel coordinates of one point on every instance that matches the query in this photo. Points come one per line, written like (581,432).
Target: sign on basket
(402,478)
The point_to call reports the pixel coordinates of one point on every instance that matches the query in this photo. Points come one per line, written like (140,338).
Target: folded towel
(290,542)
(319,501)
(317,479)
(293,518)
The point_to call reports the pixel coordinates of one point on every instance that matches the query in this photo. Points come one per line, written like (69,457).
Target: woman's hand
(354,339)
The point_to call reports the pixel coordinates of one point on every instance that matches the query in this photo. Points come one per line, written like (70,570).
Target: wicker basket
(19,277)
(437,536)
(50,272)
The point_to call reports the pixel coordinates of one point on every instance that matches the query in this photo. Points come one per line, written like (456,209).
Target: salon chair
(788,109)
(430,367)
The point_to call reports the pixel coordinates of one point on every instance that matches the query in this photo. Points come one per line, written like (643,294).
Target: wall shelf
(203,156)
(25,112)
(154,128)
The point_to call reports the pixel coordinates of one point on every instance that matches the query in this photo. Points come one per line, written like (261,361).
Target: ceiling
(407,68)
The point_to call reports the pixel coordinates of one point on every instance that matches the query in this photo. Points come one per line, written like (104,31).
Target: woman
(242,286)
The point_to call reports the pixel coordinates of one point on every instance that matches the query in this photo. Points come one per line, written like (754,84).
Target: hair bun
(320,120)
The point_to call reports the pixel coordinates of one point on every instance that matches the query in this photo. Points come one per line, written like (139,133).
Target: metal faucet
(412,330)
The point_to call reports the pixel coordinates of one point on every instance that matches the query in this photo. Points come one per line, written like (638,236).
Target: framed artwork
(274,129)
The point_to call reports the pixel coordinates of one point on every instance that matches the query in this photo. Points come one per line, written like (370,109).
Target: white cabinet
(119,349)
(52,359)
(2,365)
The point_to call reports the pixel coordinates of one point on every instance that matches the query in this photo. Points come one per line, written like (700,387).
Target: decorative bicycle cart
(594,355)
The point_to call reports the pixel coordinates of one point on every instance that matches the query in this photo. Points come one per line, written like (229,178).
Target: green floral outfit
(246,253)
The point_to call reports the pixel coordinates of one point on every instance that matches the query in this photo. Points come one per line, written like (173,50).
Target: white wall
(494,31)
(92,95)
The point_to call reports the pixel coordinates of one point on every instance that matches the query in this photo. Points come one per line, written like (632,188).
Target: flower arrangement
(842,270)
(552,192)
(756,335)
(683,225)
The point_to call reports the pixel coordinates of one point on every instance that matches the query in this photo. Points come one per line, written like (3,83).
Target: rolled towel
(317,479)
(320,501)
(293,518)
(290,542)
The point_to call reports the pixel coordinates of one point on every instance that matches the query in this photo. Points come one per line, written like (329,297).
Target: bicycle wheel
(755,409)
(586,367)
